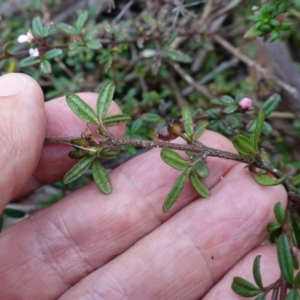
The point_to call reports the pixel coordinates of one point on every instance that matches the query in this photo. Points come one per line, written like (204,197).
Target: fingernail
(11,84)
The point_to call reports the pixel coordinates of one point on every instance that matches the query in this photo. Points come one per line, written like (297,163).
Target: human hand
(122,246)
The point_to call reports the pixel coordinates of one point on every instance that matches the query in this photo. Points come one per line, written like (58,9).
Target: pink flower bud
(245,103)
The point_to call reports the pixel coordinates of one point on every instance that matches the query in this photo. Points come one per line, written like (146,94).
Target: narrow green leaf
(67,28)
(29,61)
(297,280)
(261,297)
(231,108)
(175,191)
(52,53)
(37,27)
(244,288)
(101,177)
(267,180)
(93,44)
(265,156)
(79,168)
(258,128)
(177,56)
(199,185)
(285,258)
(292,295)
(81,20)
(279,213)
(227,100)
(115,119)
(271,104)
(200,129)
(14,213)
(202,169)
(272,226)
(243,145)
(81,109)
(188,121)
(256,272)
(173,159)
(105,98)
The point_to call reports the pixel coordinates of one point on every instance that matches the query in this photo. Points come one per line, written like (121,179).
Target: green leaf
(201,169)
(105,98)
(285,258)
(177,56)
(175,191)
(265,156)
(37,27)
(81,20)
(200,129)
(267,180)
(292,295)
(252,32)
(279,213)
(67,28)
(227,100)
(29,61)
(243,145)
(271,104)
(199,185)
(79,168)
(258,128)
(188,121)
(244,288)
(297,280)
(52,53)
(93,44)
(115,119)
(81,109)
(173,159)
(261,297)
(231,108)
(101,177)
(14,213)
(272,226)
(45,66)
(256,272)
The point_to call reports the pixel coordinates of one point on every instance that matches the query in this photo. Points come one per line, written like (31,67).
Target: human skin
(122,246)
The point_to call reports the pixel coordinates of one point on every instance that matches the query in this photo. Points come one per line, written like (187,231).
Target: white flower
(26,38)
(148,53)
(34,52)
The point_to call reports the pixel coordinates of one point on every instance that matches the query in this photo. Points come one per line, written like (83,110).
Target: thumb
(22,130)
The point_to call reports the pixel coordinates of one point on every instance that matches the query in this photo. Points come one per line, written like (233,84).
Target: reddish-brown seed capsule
(164,134)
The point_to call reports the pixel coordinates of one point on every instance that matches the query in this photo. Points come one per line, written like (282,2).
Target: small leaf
(201,169)
(244,288)
(200,129)
(175,191)
(101,177)
(105,98)
(93,44)
(258,128)
(173,159)
(52,53)
(79,168)
(261,297)
(81,20)
(243,145)
(271,104)
(267,180)
(37,27)
(292,295)
(14,213)
(297,280)
(227,100)
(115,119)
(177,56)
(199,185)
(272,226)
(29,61)
(231,108)
(67,28)
(285,258)
(81,109)
(45,66)
(256,272)
(188,121)
(279,213)
(265,156)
